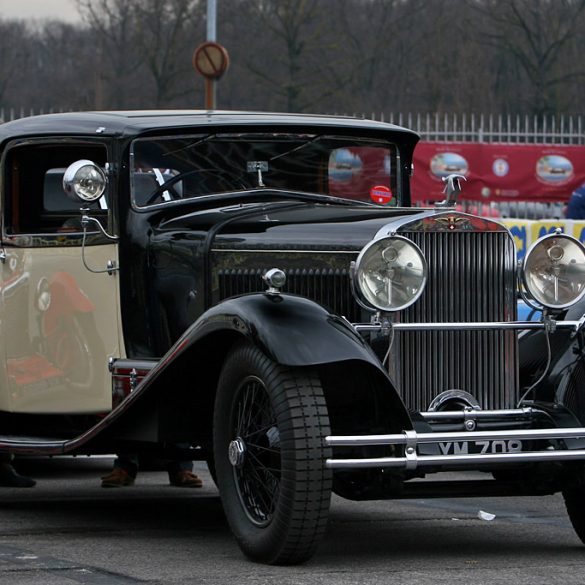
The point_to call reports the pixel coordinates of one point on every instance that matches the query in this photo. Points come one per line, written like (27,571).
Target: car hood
(291,226)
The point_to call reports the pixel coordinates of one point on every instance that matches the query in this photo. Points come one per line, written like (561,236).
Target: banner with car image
(499,172)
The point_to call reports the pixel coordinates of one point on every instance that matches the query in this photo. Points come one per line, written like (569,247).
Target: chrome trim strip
(479,414)
(462,326)
(284,251)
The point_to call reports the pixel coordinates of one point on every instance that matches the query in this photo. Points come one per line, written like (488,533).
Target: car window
(362,172)
(34,200)
(169,168)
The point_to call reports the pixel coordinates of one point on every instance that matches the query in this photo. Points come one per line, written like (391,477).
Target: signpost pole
(210,59)
(211,84)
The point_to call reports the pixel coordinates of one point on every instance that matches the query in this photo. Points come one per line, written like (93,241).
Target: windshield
(171,168)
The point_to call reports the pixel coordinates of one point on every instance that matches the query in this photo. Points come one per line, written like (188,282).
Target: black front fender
(291,330)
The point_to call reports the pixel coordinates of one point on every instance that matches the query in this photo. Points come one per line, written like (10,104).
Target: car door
(59,312)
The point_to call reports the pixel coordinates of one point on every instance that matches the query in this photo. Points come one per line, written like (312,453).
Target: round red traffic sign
(211,60)
(381,194)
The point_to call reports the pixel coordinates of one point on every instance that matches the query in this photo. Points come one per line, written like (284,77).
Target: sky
(39,9)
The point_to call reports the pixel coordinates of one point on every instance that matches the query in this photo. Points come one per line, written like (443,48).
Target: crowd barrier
(526,231)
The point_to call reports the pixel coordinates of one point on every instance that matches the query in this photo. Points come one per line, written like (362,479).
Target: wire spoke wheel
(573,496)
(270,423)
(257,469)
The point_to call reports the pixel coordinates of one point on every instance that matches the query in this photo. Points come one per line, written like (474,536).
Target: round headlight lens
(85,181)
(554,271)
(391,273)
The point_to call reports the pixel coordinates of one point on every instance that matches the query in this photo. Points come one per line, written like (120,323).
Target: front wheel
(270,423)
(573,497)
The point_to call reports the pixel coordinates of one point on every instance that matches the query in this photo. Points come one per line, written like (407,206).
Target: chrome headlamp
(84,181)
(554,271)
(390,273)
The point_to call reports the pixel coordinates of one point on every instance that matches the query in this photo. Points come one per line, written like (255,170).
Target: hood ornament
(451,190)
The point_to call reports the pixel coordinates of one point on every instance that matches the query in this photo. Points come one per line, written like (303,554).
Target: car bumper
(408,445)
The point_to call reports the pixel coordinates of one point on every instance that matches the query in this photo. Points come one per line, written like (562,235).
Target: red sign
(381,194)
(498,172)
(211,60)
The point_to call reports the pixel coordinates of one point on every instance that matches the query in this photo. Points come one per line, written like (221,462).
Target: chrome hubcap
(237,452)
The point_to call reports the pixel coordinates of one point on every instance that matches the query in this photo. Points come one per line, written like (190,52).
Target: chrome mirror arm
(86,220)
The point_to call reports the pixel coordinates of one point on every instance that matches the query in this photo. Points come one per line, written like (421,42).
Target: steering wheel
(218,177)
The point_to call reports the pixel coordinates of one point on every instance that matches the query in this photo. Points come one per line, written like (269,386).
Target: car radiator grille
(471,278)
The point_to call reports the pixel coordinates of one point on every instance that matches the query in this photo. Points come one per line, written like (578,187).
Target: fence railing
(490,127)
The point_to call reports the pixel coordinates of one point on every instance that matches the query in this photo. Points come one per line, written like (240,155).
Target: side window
(34,200)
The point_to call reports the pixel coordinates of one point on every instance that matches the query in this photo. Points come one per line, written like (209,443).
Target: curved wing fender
(295,332)
(291,330)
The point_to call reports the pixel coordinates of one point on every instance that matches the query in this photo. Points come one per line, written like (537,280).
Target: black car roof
(133,123)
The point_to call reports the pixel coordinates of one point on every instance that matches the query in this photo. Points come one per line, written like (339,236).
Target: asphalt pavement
(68,530)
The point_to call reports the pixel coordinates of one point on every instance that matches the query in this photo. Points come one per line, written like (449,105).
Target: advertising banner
(499,172)
(526,232)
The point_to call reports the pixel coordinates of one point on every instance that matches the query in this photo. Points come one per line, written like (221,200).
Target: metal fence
(493,128)
(452,127)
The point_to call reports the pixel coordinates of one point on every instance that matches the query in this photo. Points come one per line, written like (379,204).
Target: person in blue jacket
(576,206)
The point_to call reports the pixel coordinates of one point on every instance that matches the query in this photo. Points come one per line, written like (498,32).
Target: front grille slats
(329,287)
(471,278)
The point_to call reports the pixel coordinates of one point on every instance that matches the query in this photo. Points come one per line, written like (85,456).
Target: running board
(33,445)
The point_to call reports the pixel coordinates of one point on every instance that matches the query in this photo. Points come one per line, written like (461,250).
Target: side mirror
(84,181)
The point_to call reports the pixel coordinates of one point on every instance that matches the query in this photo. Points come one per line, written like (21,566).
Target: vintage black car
(259,287)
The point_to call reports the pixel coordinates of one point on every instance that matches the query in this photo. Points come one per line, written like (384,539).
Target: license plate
(480,447)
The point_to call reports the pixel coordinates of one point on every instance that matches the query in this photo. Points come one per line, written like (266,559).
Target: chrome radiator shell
(471,278)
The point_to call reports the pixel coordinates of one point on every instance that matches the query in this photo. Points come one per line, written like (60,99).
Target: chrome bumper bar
(465,326)
(412,460)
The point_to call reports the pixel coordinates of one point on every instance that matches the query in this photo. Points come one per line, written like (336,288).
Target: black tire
(573,497)
(276,491)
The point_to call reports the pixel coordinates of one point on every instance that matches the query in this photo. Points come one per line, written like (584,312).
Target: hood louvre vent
(329,287)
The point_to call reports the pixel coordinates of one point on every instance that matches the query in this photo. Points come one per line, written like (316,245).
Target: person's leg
(124,472)
(181,472)
(9,477)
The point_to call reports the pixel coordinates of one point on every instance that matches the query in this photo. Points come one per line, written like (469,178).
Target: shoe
(118,477)
(9,477)
(185,478)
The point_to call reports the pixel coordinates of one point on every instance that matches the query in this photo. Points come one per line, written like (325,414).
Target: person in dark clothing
(9,477)
(576,206)
(126,468)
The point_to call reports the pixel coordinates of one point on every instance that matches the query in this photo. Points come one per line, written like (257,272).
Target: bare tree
(117,59)
(13,54)
(536,35)
(352,56)
(372,49)
(167,33)
(290,38)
